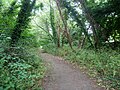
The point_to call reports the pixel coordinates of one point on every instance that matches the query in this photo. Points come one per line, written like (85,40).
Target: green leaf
(1,49)
(1,88)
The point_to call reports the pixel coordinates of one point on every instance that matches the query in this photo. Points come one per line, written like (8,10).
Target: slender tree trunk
(59,30)
(81,43)
(74,14)
(65,25)
(92,22)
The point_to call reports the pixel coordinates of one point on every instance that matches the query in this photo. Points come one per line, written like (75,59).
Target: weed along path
(62,76)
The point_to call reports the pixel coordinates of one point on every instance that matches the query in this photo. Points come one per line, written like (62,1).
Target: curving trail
(62,76)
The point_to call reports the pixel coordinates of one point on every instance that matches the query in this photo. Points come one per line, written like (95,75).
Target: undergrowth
(103,64)
(20,67)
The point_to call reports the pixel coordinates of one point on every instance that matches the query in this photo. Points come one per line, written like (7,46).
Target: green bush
(20,67)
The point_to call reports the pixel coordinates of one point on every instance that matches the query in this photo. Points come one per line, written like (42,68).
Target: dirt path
(62,76)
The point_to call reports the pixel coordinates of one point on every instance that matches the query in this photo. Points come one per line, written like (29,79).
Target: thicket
(21,67)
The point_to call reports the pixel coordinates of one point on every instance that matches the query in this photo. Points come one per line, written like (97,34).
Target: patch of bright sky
(45,6)
(41,14)
(98,1)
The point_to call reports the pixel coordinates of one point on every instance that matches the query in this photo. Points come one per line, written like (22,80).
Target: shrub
(20,67)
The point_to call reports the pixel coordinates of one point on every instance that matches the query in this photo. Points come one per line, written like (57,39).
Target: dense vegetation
(88,35)
(84,32)
(20,66)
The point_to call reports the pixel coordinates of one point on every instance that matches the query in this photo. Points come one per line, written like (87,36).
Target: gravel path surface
(62,76)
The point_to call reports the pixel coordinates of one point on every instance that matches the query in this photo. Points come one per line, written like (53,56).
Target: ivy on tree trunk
(22,20)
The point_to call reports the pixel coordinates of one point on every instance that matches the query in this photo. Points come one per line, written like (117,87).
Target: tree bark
(92,22)
(65,25)
(22,20)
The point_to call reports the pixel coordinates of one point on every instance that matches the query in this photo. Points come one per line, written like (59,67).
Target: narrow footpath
(62,76)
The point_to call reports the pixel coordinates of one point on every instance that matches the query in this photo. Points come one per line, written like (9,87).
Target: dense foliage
(20,66)
(85,32)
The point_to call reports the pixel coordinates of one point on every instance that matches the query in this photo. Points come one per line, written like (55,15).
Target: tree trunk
(22,20)
(80,22)
(92,22)
(52,22)
(65,25)
(81,43)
